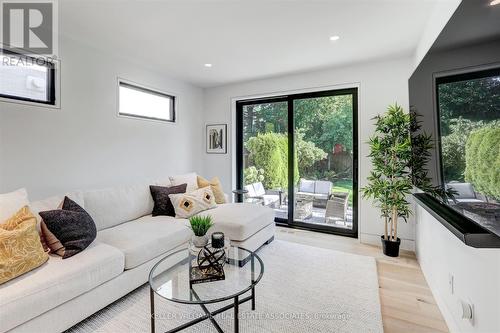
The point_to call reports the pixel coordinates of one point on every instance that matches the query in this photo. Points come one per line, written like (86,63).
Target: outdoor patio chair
(336,207)
(257,193)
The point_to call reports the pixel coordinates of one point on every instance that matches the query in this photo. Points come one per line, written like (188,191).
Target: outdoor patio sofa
(464,192)
(316,190)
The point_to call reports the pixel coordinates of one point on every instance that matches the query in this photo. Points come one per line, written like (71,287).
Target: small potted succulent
(200,226)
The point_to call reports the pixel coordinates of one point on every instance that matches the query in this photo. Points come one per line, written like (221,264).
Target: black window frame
(50,80)
(138,87)
(457,77)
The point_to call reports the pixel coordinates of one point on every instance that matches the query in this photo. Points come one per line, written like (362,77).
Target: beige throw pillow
(189,204)
(216,187)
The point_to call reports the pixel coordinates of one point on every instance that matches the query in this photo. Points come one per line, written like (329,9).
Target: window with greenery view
(469,111)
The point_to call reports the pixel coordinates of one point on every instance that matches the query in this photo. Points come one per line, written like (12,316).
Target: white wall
(440,15)
(380,84)
(476,275)
(84,144)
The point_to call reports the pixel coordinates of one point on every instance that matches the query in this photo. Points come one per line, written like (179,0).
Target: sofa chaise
(61,293)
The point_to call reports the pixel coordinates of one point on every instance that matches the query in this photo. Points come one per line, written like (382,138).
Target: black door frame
(291,158)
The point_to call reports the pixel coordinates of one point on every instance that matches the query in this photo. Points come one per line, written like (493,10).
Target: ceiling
(246,40)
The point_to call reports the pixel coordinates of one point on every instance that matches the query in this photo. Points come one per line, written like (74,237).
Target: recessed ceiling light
(208,65)
(334,38)
(495,2)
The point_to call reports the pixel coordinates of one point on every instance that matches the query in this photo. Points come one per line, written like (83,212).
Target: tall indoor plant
(389,182)
(399,151)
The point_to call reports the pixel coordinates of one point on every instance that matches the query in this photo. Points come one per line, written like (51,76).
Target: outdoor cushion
(56,282)
(465,190)
(468,200)
(238,221)
(146,238)
(321,196)
(113,206)
(259,189)
(306,186)
(251,191)
(270,199)
(322,187)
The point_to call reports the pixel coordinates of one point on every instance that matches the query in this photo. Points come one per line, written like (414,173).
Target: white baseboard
(406,244)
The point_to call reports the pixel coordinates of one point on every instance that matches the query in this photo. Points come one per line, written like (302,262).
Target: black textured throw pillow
(163,205)
(72,226)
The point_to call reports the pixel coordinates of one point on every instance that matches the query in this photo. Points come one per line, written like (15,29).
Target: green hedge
(270,152)
(482,161)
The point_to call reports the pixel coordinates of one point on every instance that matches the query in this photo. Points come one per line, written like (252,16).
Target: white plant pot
(199,241)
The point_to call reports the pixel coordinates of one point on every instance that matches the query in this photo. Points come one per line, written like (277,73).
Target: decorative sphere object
(211,260)
(218,240)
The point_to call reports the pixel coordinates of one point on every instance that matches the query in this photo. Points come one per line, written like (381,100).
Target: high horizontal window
(139,102)
(25,78)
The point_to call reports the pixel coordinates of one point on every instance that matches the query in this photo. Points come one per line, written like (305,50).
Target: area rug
(304,289)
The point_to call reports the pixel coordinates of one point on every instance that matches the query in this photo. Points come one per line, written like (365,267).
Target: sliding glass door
(297,154)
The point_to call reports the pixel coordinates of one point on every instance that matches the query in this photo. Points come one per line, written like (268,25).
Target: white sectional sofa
(129,242)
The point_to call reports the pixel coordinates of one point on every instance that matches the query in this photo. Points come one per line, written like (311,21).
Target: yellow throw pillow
(20,246)
(220,198)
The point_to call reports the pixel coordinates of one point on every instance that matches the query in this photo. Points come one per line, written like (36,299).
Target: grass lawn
(343,185)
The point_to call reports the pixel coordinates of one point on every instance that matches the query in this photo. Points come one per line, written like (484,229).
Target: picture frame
(216,136)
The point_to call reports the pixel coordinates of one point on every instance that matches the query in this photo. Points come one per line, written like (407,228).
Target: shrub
(253,175)
(482,157)
(269,152)
(453,147)
(307,152)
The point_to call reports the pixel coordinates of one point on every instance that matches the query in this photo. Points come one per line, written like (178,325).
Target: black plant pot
(391,248)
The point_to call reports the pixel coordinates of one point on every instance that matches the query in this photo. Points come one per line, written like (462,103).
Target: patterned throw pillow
(72,229)
(216,187)
(163,204)
(189,204)
(20,247)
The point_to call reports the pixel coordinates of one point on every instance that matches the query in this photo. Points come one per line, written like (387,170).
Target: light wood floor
(406,300)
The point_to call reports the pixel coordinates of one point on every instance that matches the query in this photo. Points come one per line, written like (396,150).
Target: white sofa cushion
(11,202)
(146,238)
(191,179)
(55,203)
(238,221)
(113,206)
(57,281)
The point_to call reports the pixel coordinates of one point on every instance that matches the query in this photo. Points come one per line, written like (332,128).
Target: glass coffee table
(173,284)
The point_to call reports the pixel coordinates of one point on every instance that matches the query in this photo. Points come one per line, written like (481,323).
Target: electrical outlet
(451,283)
(467,311)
